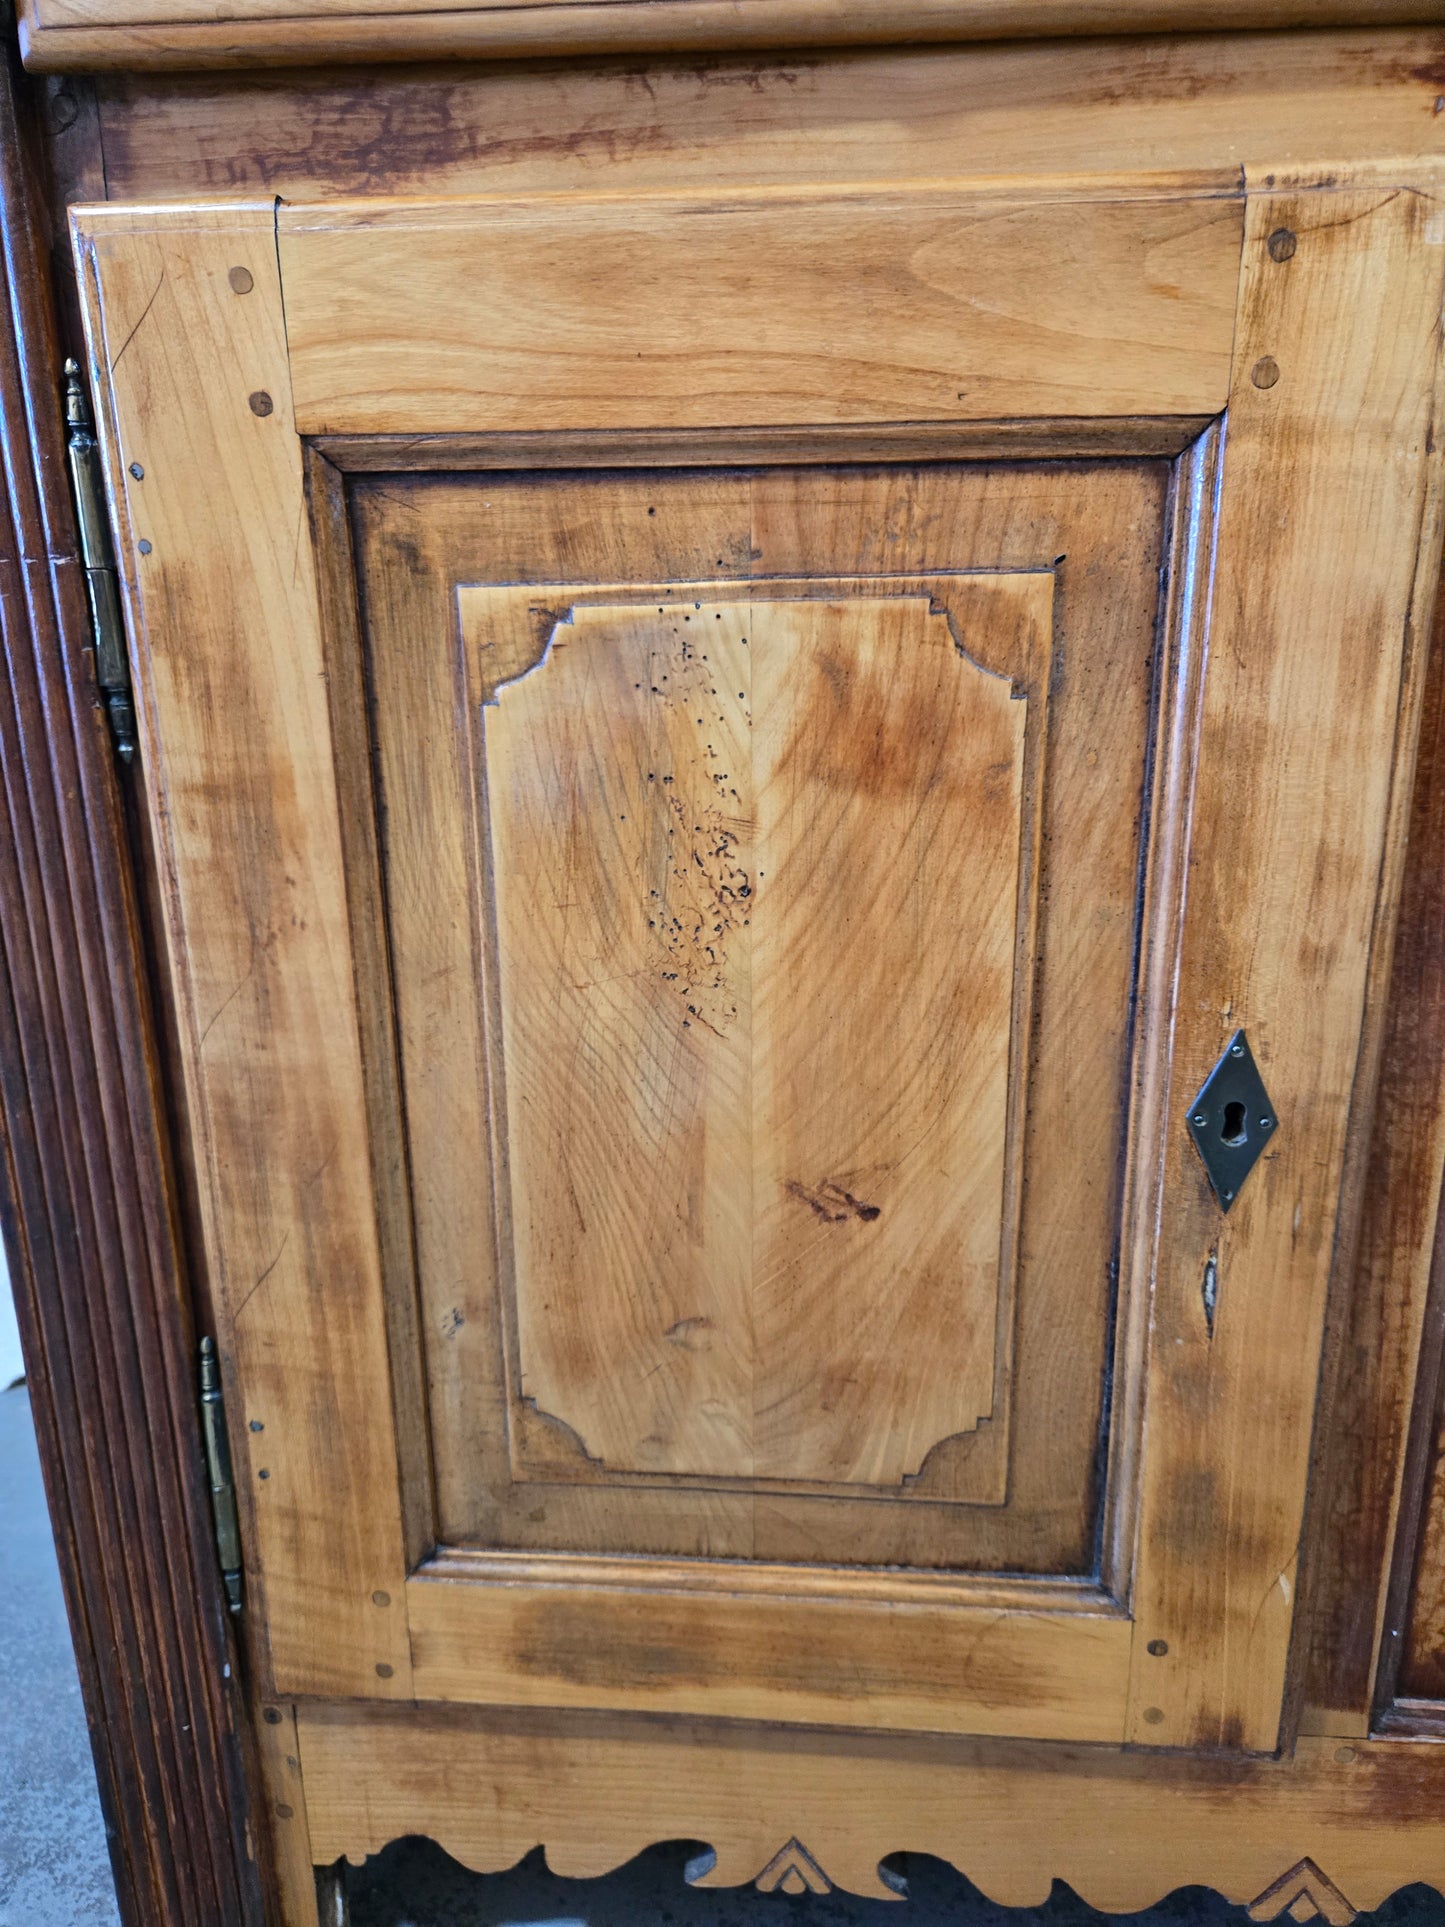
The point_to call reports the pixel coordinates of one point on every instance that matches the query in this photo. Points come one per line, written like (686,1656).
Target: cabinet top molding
(81,35)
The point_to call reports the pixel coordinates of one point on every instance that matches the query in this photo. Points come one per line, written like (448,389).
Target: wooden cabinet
(764,724)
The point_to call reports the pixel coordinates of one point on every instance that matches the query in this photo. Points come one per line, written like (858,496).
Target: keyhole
(1235,1129)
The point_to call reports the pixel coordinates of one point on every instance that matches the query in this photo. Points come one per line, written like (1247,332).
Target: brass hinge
(97,555)
(218,1470)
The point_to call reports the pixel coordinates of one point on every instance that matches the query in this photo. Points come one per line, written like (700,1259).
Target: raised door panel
(757,862)
(775,963)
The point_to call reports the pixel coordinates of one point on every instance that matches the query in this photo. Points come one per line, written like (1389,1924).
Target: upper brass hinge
(97,555)
(218,1471)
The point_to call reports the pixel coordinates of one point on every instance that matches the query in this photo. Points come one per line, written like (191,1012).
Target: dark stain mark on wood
(832,1203)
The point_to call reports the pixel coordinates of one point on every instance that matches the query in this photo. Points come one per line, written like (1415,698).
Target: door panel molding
(416,542)
(1035,437)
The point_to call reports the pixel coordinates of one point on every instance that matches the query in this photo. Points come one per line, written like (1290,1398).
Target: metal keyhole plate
(1232,1119)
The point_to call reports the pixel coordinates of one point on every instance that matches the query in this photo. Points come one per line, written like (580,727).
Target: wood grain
(238,765)
(1325,490)
(86,1200)
(547,314)
(715,1198)
(1412,1670)
(417,538)
(1374,1430)
(86,34)
(1367,1816)
(570,1632)
(1206,102)
(1054,438)
(1298,903)
(1123,1829)
(1183,639)
(336,577)
(281,1801)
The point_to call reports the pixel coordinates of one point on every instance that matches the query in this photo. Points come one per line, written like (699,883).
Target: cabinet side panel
(1373,1450)
(85,1196)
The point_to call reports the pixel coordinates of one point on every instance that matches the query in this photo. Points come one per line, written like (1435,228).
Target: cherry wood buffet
(771,966)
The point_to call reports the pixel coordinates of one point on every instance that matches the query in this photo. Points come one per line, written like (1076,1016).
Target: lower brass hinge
(97,556)
(218,1470)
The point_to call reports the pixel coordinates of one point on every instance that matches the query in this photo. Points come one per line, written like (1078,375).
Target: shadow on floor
(54,1868)
(414,1884)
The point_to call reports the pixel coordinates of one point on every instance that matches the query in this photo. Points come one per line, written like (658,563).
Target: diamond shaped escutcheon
(1232,1119)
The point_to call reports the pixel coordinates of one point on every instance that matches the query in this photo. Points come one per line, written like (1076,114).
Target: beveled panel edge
(343,651)
(770,1579)
(1031,438)
(1182,636)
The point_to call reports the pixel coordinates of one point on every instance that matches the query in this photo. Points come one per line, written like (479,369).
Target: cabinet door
(725,772)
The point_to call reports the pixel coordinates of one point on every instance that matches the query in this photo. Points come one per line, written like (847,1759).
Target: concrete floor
(54,1871)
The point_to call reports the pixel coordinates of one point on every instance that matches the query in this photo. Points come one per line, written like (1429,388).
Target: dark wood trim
(371,954)
(1407,1719)
(85,1187)
(1067,439)
(1380,1386)
(1396,1712)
